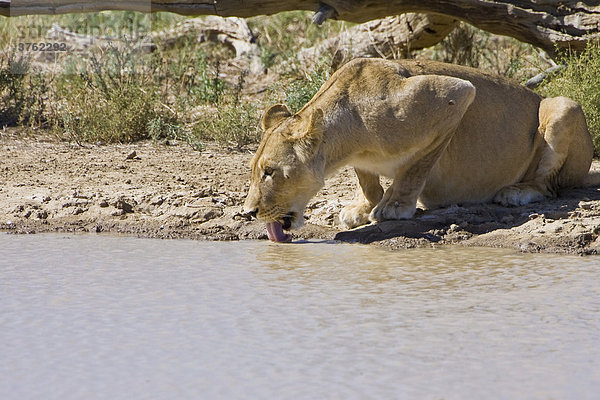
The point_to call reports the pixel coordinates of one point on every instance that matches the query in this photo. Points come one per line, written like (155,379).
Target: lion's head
(287,169)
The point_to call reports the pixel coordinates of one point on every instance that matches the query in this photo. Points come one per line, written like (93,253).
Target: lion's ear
(311,139)
(315,124)
(275,115)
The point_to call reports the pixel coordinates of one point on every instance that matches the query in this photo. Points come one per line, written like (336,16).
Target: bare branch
(543,23)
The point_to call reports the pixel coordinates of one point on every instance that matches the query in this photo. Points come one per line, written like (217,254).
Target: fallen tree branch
(539,78)
(543,23)
(231,32)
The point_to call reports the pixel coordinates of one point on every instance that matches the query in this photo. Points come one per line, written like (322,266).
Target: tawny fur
(446,134)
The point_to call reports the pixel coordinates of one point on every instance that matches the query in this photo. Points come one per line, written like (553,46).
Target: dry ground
(172,191)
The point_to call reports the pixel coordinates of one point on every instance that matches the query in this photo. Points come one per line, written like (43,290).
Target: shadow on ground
(529,228)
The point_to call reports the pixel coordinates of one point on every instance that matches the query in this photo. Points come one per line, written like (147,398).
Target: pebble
(124,206)
(79,210)
(157,200)
(454,228)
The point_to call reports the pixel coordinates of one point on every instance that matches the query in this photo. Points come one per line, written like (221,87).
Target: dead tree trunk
(543,23)
(390,37)
(232,32)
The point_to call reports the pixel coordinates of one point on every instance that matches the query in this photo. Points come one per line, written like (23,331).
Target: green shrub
(113,98)
(13,75)
(580,81)
(233,122)
(231,125)
(187,74)
(22,93)
(473,47)
(210,88)
(113,95)
(300,91)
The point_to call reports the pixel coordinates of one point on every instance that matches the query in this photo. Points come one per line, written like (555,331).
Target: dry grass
(193,93)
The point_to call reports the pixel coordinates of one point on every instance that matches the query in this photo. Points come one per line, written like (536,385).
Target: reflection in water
(105,317)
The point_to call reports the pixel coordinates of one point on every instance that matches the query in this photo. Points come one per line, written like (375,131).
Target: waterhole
(100,317)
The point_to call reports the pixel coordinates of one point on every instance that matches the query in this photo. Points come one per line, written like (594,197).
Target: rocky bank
(170,190)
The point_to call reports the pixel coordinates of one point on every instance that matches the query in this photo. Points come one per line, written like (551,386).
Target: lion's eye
(268,172)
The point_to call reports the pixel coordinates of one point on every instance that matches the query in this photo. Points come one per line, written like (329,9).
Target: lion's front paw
(392,210)
(355,214)
(518,195)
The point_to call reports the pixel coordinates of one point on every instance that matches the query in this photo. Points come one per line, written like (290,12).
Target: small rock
(157,200)
(79,210)
(77,195)
(131,155)
(124,206)
(454,228)
(213,213)
(438,232)
(204,192)
(554,215)
(103,204)
(584,239)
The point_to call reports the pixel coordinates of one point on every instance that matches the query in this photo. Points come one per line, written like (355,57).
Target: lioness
(446,134)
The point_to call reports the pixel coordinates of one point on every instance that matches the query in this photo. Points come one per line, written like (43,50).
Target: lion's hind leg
(368,194)
(565,154)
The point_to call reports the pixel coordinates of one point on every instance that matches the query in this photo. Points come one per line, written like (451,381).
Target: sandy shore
(172,191)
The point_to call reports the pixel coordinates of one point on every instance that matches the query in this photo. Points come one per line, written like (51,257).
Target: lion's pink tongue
(275,232)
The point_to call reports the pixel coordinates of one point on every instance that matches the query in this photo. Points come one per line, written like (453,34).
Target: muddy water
(99,317)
